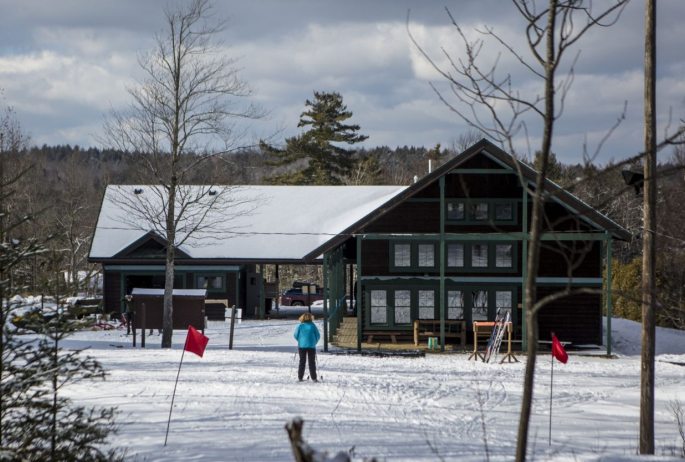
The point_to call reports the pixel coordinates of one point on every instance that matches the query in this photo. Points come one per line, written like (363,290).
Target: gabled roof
(484,146)
(150,236)
(289,222)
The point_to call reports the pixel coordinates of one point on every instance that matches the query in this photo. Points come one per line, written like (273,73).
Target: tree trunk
(167,323)
(534,242)
(649,238)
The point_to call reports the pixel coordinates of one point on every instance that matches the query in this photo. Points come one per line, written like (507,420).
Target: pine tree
(326,163)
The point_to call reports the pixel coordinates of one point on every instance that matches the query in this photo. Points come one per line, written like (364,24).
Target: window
(479,212)
(480,305)
(503,301)
(402,307)
(379,307)
(504,212)
(455,211)
(426,255)
(503,256)
(455,304)
(455,255)
(479,256)
(402,255)
(426,304)
(211,283)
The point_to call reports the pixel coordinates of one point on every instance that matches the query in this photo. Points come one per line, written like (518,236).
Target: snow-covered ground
(232,405)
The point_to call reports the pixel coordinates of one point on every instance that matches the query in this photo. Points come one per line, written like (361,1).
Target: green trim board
(185,268)
(483,171)
(518,236)
(487,279)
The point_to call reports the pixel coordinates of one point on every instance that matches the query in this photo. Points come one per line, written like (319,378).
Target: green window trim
(208,276)
(470,206)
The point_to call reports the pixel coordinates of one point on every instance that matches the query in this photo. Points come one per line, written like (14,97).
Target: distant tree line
(65,184)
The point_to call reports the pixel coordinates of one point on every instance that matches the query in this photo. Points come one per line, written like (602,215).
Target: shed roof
(288,222)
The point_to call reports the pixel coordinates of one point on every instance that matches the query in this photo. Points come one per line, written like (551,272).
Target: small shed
(189,308)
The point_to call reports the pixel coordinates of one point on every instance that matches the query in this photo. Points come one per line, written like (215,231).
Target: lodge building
(449,247)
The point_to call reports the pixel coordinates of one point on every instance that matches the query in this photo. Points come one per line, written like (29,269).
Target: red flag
(195,342)
(558,350)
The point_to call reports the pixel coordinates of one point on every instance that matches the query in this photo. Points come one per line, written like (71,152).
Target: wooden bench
(454,328)
(383,333)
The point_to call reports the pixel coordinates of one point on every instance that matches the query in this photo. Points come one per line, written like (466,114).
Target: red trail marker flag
(195,343)
(557,350)
(560,354)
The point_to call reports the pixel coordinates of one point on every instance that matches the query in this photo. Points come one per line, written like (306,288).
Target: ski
(500,335)
(492,337)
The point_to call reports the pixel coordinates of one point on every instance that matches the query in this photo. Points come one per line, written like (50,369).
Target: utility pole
(649,238)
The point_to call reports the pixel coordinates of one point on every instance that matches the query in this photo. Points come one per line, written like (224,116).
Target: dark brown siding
(112,299)
(554,255)
(573,319)
(409,217)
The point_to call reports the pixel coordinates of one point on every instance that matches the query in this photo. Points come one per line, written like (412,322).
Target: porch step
(346,334)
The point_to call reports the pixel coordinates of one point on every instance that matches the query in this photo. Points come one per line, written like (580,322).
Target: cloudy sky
(64,63)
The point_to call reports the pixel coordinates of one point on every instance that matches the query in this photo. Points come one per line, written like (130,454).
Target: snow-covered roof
(259,222)
(176,292)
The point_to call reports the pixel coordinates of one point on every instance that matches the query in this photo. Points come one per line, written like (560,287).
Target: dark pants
(307,354)
(129,319)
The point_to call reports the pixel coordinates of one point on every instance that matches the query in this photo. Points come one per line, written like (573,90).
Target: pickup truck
(295,297)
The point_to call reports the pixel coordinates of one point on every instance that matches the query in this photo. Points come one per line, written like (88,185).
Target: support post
(261,291)
(359,294)
(524,270)
(608,297)
(142,324)
(442,263)
(325,301)
(237,289)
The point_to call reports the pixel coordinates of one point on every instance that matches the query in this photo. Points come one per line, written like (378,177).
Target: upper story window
(403,255)
(503,257)
(479,256)
(455,211)
(455,255)
(479,211)
(427,255)
(504,212)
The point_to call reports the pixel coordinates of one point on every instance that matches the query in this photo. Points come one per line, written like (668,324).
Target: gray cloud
(63,63)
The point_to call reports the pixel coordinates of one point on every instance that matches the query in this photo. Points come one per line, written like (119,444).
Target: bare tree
(182,114)
(461,143)
(492,105)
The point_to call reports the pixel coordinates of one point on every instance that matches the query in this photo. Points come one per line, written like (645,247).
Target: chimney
(416,178)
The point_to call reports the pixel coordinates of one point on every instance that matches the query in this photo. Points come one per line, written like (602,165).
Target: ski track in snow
(232,405)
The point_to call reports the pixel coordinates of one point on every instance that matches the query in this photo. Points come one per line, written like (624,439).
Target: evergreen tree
(325,163)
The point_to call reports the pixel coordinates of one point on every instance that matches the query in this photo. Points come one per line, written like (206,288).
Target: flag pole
(551,387)
(174,394)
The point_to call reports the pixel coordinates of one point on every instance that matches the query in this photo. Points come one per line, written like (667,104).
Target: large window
(455,304)
(379,307)
(426,304)
(455,255)
(479,256)
(503,299)
(402,307)
(426,255)
(503,257)
(480,211)
(402,255)
(479,305)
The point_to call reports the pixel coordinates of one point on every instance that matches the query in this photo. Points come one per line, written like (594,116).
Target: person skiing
(307,336)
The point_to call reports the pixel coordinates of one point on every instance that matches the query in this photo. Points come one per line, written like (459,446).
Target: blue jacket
(307,335)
